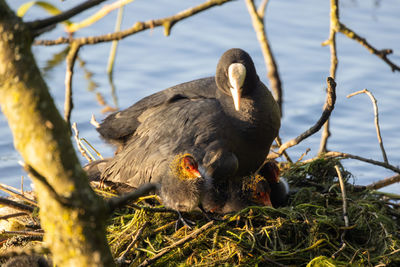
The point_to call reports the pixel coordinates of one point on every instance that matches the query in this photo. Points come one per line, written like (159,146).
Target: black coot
(227,123)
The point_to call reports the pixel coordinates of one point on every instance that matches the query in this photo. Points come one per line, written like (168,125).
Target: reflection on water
(149,61)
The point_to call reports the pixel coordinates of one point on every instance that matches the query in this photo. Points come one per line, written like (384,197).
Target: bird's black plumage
(200,118)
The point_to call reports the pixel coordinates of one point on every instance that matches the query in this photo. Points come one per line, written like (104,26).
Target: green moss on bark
(74,232)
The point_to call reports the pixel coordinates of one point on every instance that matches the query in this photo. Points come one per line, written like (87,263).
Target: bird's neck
(250,113)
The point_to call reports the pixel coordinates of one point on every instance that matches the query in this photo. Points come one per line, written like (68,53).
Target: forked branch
(166,22)
(37,25)
(376,113)
(336,154)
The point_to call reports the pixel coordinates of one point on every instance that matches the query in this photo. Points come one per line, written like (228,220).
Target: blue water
(148,62)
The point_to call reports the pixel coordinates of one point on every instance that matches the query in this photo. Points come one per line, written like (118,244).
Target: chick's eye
(187,168)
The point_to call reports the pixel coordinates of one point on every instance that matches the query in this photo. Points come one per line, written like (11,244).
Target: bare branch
(328,107)
(337,26)
(345,215)
(378,130)
(16,205)
(380,53)
(261,8)
(122,258)
(68,104)
(26,233)
(84,152)
(14,215)
(385,182)
(182,241)
(106,9)
(94,122)
(114,45)
(166,22)
(344,197)
(273,74)
(6,188)
(334,20)
(335,154)
(44,23)
(303,155)
(278,141)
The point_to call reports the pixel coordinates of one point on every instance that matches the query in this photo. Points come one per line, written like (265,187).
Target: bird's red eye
(190,163)
(191,166)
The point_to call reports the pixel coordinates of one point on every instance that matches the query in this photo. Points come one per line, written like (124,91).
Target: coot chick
(279,187)
(180,189)
(254,191)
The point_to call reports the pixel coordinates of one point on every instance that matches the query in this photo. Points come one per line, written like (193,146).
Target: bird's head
(236,74)
(257,189)
(185,167)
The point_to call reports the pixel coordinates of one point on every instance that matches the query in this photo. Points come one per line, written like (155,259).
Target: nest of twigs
(310,231)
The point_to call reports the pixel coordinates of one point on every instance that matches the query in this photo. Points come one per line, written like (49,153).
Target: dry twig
(328,107)
(14,215)
(68,104)
(379,53)
(25,233)
(114,45)
(97,16)
(182,241)
(84,152)
(303,155)
(37,25)
(9,190)
(16,205)
(335,154)
(22,185)
(337,26)
(122,258)
(278,141)
(334,18)
(384,182)
(378,131)
(166,22)
(257,18)
(345,215)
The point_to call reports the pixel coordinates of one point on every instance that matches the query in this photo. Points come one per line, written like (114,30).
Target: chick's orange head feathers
(261,193)
(257,188)
(190,166)
(186,167)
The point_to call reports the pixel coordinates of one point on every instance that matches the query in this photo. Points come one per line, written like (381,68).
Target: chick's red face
(261,193)
(190,166)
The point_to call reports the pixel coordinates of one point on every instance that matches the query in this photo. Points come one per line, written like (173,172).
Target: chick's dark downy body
(229,140)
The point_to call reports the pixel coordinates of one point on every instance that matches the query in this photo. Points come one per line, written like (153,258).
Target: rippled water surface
(148,62)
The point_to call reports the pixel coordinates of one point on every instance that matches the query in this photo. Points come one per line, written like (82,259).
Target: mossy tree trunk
(71,214)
